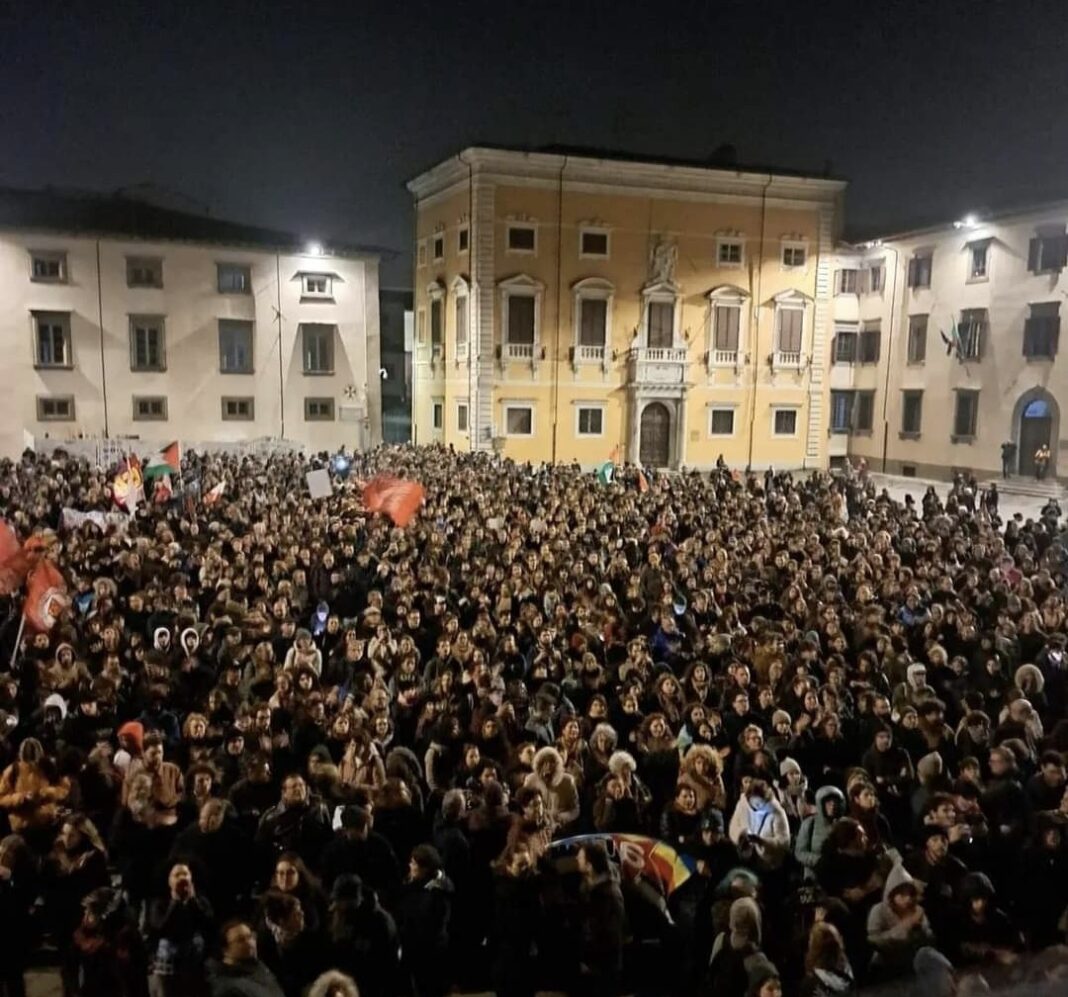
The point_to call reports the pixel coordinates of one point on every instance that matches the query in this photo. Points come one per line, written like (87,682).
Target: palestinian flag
(167,462)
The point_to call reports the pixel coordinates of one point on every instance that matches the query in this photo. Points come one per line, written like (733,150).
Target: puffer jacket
(814,830)
(30,797)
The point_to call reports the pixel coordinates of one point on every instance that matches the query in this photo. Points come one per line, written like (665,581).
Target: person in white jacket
(760,827)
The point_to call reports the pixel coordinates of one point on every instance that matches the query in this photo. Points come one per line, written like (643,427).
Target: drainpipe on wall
(100,319)
(754,313)
(889,355)
(559,297)
(278,310)
(472,313)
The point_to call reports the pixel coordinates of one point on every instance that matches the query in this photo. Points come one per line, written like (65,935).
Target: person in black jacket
(424,911)
(601,954)
(517,909)
(363,938)
(179,928)
(294,952)
(298,824)
(358,849)
(18,890)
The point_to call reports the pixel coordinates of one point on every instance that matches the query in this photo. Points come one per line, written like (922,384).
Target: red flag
(46,597)
(13,565)
(17,559)
(398,498)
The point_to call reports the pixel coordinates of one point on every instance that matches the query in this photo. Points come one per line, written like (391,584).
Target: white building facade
(946,347)
(126,320)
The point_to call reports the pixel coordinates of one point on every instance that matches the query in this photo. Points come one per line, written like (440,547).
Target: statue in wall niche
(662,261)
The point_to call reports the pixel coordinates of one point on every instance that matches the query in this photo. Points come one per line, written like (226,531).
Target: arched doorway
(654,449)
(1037,423)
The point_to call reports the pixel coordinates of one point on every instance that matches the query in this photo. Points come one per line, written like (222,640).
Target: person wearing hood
(913,690)
(984,933)
(423,911)
(702,771)
(830,805)
(603,922)
(556,785)
(897,927)
(31,791)
(759,826)
(934,975)
(363,938)
(735,950)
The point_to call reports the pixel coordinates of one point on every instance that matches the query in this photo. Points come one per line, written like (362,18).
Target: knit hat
(744,922)
(788,765)
(929,767)
(136,730)
(780,717)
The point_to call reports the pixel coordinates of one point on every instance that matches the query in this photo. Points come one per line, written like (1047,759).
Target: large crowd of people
(278,746)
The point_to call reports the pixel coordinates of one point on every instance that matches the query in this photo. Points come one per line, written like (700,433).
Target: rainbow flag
(636,854)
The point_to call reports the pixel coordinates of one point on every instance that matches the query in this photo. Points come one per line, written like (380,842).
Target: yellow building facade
(575,308)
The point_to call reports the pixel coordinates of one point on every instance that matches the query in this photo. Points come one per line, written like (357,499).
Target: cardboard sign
(319,485)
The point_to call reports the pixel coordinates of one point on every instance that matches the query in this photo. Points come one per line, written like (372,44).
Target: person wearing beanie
(735,949)
(793,792)
(763,977)
(131,737)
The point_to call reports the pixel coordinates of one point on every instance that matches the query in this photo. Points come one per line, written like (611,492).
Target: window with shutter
(864,412)
(845,346)
(847,281)
(461,324)
(593,321)
(1047,253)
(965,415)
(521,320)
(870,342)
(661,325)
(972,332)
(841,411)
(1042,330)
(911,412)
(917,344)
(727,321)
(920,271)
(790,325)
(147,350)
(437,324)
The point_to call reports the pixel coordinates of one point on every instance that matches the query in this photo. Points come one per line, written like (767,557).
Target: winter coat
(814,830)
(364,943)
(30,797)
(246,979)
(708,788)
(895,942)
(603,927)
(769,823)
(559,790)
(424,911)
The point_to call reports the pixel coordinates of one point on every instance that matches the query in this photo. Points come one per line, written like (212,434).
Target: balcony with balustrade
(657,367)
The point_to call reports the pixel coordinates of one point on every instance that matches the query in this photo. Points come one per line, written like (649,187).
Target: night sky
(311,116)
